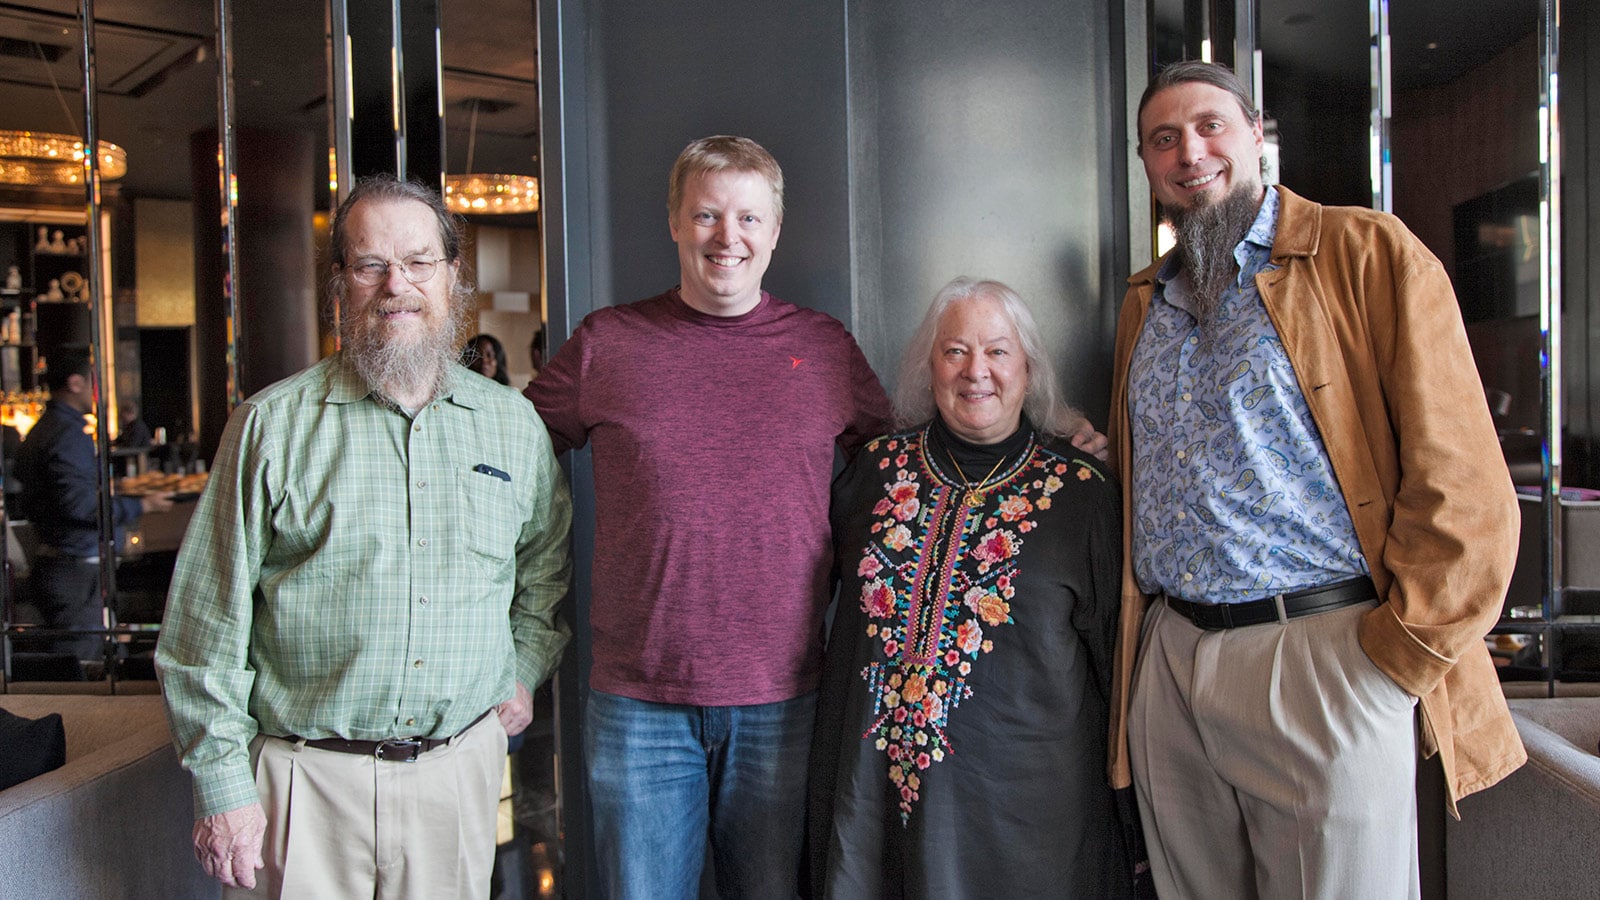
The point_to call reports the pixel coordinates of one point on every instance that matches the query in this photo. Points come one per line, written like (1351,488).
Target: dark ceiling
(157,78)
(156,67)
(1431,41)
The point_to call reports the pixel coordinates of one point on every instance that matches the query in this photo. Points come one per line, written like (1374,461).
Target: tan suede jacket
(1371,325)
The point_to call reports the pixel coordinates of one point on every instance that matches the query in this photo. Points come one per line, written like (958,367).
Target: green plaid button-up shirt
(353,572)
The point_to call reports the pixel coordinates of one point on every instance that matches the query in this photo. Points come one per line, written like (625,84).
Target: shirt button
(416,427)
(1187,576)
(422,542)
(1180,454)
(1187,396)
(422,484)
(411,721)
(423,600)
(417,664)
(1181,516)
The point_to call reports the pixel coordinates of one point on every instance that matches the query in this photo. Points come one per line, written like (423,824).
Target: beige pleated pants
(343,825)
(1273,761)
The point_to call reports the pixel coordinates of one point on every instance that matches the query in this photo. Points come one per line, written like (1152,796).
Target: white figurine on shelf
(43,244)
(13,278)
(57,242)
(55,290)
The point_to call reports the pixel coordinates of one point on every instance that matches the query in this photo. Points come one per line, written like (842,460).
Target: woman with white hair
(961,733)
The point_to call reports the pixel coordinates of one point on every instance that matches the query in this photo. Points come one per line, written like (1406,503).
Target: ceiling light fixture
(480,193)
(40,158)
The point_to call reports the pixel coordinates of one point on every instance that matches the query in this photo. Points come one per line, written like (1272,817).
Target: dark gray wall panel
(668,73)
(986,140)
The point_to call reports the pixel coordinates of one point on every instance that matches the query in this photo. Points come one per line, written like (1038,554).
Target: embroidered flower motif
(995,547)
(898,538)
(969,635)
(877,600)
(904,497)
(915,689)
(1014,508)
(1084,474)
(993,610)
(964,568)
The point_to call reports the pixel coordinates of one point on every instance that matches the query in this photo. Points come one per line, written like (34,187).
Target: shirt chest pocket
(489,513)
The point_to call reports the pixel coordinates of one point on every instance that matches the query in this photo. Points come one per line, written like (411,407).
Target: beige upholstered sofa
(1537,833)
(115,821)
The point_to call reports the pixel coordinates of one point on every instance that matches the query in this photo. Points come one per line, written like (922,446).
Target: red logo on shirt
(794,362)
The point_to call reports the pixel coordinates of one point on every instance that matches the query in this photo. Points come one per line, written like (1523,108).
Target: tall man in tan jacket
(1319,525)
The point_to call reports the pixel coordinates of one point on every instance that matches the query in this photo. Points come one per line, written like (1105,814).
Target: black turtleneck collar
(977,458)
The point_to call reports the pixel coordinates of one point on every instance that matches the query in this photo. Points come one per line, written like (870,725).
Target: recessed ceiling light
(1433,45)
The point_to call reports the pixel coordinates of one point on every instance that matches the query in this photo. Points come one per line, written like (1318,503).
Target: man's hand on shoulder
(1090,441)
(228,845)
(516,713)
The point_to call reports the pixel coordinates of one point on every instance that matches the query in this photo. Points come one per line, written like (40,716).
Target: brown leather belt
(1221,616)
(392,750)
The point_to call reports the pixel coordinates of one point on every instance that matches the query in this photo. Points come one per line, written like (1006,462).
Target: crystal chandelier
(43,158)
(481,193)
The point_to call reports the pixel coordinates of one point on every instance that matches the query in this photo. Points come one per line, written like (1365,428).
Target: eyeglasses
(372,272)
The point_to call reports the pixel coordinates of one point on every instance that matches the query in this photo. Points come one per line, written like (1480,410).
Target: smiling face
(980,372)
(1198,146)
(401,337)
(726,227)
(395,310)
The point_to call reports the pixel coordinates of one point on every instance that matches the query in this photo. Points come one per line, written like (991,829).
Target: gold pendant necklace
(974,492)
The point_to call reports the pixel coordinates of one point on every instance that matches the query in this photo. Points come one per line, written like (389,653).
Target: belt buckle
(406,750)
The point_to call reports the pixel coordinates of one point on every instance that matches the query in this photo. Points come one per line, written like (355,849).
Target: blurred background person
(60,495)
(484,354)
(132,430)
(961,728)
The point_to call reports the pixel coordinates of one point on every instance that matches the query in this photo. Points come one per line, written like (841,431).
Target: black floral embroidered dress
(961,729)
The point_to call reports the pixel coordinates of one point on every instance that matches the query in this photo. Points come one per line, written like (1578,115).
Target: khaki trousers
(1273,761)
(344,825)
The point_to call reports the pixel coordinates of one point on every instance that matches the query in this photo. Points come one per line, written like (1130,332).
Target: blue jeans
(662,777)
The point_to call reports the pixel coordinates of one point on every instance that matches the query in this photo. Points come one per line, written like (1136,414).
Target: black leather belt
(1221,616)
(392,750)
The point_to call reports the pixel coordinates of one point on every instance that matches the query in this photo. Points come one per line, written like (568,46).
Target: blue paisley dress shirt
(1233,495)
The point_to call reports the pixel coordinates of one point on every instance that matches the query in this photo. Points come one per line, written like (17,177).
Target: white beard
(397,363)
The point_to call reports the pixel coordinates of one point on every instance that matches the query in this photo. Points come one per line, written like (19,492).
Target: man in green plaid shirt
(367,592)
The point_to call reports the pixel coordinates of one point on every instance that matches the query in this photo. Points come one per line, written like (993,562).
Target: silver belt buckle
(400,748)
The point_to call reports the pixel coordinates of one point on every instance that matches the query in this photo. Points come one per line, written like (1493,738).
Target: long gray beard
(1206,237)
(393,368)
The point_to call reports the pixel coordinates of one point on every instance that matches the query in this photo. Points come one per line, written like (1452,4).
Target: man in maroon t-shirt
(713,411)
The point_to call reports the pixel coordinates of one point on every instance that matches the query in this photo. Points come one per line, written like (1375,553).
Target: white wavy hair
(913,396)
